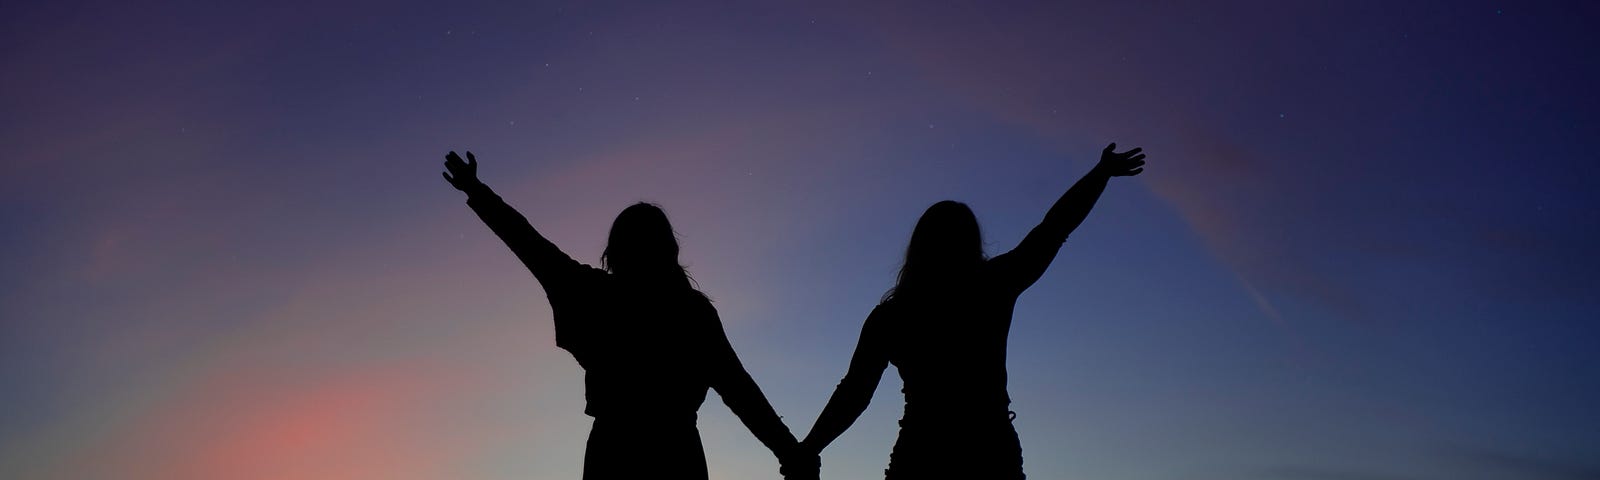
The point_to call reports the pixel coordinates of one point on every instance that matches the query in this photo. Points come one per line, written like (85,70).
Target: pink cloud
(280,423)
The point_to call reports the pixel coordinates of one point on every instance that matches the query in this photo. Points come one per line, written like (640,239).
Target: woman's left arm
(740,392)
(1023,265)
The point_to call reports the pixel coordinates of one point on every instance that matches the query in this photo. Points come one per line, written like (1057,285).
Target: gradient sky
(1361,250)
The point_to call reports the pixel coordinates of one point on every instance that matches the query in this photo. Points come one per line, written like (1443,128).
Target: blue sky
(1360,250)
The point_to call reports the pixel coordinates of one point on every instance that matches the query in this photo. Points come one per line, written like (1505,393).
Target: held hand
(800,463)
(462,175)
(1125,164)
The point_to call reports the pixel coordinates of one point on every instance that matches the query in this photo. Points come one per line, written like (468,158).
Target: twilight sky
(1361,250)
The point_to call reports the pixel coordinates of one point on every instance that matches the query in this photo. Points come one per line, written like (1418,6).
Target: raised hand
(1113,164)
(462,175)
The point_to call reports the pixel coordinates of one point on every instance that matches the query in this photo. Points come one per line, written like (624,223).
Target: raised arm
(854,393)
(1023,265)
(549,264)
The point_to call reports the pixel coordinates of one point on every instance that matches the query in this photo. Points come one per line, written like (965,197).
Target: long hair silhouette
(944,325)
(650,343)
(946,247)
(643,245)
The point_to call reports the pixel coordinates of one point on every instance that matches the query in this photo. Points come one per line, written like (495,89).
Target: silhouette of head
(642,245)
(946,249)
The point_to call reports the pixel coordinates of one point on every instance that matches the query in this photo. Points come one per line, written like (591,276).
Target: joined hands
(800,463)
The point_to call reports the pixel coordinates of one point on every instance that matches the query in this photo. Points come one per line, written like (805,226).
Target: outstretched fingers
(460,174)
(456,166)
(1122,164)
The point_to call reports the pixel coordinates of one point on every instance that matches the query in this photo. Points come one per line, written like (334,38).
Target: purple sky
(1361,250)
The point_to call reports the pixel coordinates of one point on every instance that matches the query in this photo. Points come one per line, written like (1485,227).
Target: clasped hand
(800,463)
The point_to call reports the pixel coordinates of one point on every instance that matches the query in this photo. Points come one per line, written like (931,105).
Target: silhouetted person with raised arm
(944,326)
(649,342)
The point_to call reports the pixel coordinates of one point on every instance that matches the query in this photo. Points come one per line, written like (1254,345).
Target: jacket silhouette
(944,327)
(650,344)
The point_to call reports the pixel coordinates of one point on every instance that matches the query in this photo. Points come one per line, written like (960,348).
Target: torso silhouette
(949,346)
(950,349)
(646,352)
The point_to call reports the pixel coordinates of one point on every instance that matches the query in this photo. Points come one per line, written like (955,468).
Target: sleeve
(740,393)
(1019,268)
(557,272)
(854,392)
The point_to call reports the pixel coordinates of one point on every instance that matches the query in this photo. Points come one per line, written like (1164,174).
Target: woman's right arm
(854,393)
(549,264)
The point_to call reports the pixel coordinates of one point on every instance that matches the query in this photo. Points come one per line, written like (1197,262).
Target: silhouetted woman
(944,326)
(649,342)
